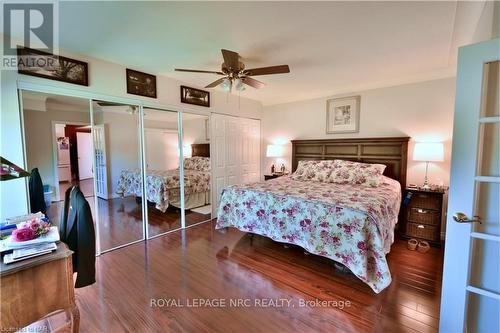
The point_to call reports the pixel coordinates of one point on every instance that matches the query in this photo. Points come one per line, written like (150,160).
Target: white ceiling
(331,47)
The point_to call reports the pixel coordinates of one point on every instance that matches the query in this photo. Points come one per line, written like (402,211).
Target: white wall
(422,111)
(122,144)
(194,130)
(39,145)
(106,79)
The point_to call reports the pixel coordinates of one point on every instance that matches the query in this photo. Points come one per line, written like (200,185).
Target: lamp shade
(428,152)
(274,151)
(186,151)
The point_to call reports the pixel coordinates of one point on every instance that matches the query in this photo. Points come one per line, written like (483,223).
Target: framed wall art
(342,115)
(142,84)
(195,96)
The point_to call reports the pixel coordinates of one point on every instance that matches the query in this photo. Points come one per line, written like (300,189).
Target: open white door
(101,174)
(84,150)
(471,286)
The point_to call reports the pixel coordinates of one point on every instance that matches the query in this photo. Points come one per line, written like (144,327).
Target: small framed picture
(49,66)
(142,84)
(342,115)
(195,96)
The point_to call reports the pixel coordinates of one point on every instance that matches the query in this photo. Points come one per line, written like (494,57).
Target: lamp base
(425,187)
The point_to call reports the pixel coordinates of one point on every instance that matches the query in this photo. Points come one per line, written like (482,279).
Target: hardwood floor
(201,263)
(121,220)
(86,186)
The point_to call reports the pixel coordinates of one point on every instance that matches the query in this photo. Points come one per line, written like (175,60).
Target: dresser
(33,288)
(422,215)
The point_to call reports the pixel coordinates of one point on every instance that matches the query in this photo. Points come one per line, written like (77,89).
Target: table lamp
(428,152)
(274,151)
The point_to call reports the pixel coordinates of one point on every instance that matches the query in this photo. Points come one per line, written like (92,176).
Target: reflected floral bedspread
(162,185)
(350,224)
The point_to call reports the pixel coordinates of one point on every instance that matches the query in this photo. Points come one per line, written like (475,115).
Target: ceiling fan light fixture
(226,84)
(238,84)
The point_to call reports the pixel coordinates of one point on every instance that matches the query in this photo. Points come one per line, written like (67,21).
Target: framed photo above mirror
(142,84)
(195,96)
(50,66)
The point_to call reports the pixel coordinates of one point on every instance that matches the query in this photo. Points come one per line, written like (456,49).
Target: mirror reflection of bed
(163,174)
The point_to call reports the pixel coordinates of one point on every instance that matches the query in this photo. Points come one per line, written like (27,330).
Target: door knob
(462,218)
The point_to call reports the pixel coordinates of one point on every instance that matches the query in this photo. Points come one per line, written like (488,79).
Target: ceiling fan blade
(281,69)
(215,83)
(197,71)
(253,82)
(231,59)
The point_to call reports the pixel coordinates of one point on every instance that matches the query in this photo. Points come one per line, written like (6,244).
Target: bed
(163,186)
(349,223)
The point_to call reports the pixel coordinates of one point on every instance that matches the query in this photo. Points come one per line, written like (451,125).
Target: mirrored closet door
(162,159)
(119,191)
(197,171)
(58,144)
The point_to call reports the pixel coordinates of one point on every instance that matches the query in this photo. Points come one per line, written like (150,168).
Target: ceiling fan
(235,74)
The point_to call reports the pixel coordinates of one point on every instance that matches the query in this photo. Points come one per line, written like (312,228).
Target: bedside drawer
(425,216)
(425,200)
(424,231)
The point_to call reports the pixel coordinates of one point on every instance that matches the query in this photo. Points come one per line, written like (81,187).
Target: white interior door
(235,153)
(233,150)
(101,165)
(471,279)
(218,157)
(254,151)
(84,148)
(246,151)
(250,150)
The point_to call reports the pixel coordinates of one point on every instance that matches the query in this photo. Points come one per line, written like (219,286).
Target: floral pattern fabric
(347,172)
(318,171)
(350,224)
(197,163)
(162,185)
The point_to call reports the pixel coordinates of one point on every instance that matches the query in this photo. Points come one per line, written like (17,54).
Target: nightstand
(268,177)
(422,215)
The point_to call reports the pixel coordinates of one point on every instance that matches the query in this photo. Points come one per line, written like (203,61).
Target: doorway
(73,160)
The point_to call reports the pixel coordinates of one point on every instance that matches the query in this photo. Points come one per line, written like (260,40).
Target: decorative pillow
(347,172)
(316,171)
(197,163)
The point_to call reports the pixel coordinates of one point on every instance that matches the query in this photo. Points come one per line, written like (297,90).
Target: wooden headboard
(200,149)
(393,152)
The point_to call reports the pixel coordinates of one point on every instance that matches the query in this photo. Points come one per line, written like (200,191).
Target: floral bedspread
(162,185)
(351,224)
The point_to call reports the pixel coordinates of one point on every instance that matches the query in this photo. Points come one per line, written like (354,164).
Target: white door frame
(54,149)
(463,178)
